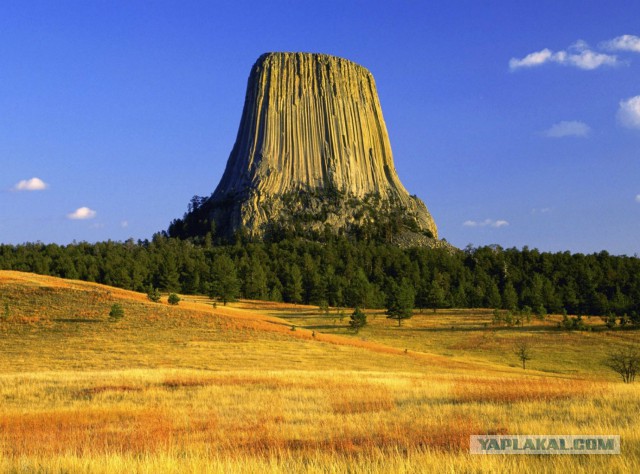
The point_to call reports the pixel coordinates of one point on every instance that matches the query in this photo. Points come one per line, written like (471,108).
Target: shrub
(173,299)
(153,294)
(578,323)
(497,317)
(609,321)
(624,320)
(117,311)
(509,319)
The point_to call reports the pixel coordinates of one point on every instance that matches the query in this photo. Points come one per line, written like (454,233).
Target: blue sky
(518,123)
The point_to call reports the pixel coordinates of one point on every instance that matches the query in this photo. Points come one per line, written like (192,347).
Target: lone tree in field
(626,362)
(153,294)
(117,312)
(400,301)
(522,350)
(358,320)
(173,299)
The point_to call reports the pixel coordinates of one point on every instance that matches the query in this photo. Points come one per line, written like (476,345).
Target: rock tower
(312,152)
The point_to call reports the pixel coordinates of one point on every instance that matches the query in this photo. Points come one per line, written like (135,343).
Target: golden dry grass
(234,389)
(509,390)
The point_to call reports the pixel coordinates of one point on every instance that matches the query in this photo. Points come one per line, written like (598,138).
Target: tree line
(346,272)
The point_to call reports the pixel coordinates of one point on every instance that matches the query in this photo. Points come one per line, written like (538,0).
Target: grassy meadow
(268,387)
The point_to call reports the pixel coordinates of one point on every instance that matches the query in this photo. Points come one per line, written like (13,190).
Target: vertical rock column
(310,121)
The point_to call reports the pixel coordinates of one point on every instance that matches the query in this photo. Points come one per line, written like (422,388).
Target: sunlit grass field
(469,335)
(266,387)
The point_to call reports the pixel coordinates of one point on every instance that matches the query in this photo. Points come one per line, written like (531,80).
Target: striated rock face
(311,127)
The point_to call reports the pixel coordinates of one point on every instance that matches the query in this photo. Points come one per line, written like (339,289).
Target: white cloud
(588,59)
(629,112)
(571,128)
(637,197)
(578,55)
(486,223)
(623,43)
(124,224)
(530,60)
(33,184)
(579,45)
(82,213)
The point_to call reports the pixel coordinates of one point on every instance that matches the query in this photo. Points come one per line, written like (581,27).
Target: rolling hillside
(266,387)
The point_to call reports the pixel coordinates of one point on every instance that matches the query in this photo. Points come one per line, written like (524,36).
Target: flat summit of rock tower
(312,154)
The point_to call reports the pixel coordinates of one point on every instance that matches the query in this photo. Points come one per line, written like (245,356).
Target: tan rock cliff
(311,123)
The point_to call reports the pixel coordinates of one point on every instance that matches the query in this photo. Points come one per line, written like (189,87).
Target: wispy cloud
(571,128)
(629,112)
(82,213)
(486,223)
(578,55)
(124,224)
(541,210)
(622,43)
(33,184)
(637,197)
(532,59)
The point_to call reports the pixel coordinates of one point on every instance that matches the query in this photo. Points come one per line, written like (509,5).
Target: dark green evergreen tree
(168,276)
(224,279)
(255,281)
(357,320)
(358,290)
(153,294)
(436,296)
(400,301)
(509,297)
(493,296)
